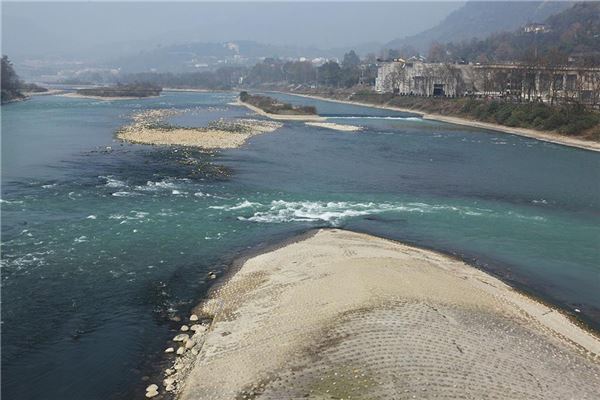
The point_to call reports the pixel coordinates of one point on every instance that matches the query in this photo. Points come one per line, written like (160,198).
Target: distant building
(536,28)
(415,77)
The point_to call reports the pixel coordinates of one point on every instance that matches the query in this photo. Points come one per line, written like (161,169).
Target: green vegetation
(131,90)
(272,106)
(567,119)
(13,88)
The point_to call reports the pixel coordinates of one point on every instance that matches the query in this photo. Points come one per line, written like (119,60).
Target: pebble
(180,350)
(185,328)
(170,388)
(211,275)
(169,371)
(195,351)
(193,317)
(198,328)
(169,381)
(152,390)
(182,337)
(169,350)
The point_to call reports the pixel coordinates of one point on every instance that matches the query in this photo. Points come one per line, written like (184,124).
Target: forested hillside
(11,84)
(573,33)
(479,19)
(13,88)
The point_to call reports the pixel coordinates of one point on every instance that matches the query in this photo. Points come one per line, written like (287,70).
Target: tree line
(13,88)
(270,72)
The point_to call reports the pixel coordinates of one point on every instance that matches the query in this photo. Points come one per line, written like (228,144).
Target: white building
(415,77)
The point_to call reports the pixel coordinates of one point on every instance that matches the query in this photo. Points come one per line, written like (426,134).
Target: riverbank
(531,133)
(349,315)
(148,127)
(281,117)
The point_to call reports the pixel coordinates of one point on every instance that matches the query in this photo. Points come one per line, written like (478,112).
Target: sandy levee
(49,92)
(531,133)
(282,117)
(74,95)
(334,126)
(339,314)
(148,127)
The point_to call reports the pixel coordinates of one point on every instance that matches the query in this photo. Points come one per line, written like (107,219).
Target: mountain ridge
(479,19)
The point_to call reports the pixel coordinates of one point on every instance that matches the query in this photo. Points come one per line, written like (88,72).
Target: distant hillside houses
(536,28)
(517,81)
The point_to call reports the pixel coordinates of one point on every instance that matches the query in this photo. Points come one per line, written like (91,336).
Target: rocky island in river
(277,110)
(148,127)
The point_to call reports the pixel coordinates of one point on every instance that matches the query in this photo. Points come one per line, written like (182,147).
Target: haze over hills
(188,57)
(99,31)
(52,49)
(479,19)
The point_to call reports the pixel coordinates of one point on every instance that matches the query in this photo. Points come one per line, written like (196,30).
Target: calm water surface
(101,247)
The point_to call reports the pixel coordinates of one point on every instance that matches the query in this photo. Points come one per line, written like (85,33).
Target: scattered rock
(212,275)
(189,344)
(169,381)
(169,350)
(182,337)
(170,388)
(198,328)
(180,350)
(169,371)
(195,351)
(152,390)
(193,317)
(185,328)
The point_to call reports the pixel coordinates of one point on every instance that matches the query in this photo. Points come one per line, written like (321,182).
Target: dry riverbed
(148,127)
(344,315)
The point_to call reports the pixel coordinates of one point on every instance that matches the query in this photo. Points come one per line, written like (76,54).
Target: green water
(101,247)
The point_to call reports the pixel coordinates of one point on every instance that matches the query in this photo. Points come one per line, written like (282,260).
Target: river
(105,243)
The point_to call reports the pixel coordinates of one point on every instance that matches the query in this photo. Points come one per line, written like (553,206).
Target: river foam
(335,212)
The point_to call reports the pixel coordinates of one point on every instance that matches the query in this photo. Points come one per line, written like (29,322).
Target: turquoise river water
(103,242)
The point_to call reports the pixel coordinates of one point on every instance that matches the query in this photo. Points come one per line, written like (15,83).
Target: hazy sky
(78,28)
